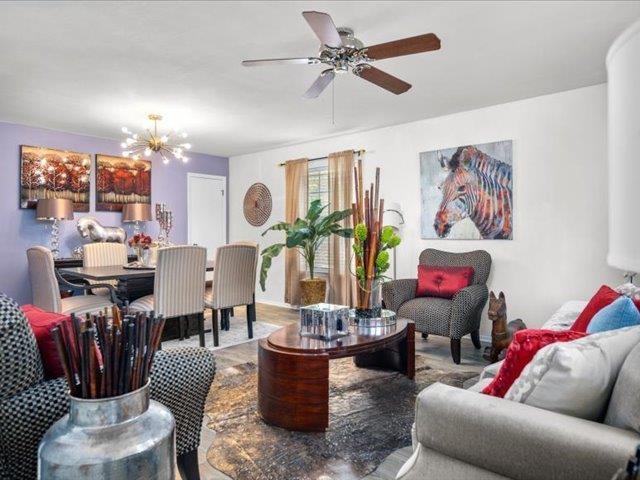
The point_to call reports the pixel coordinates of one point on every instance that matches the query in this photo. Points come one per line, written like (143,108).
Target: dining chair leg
(181,327)
(214,321)
(201,328)
(251,317)
(225,316)
(232,314)
(254,307)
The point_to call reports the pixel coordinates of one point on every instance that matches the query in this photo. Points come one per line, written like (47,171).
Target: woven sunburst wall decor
(257,204)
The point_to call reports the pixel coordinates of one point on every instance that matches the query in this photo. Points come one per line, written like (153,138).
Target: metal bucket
(123,437)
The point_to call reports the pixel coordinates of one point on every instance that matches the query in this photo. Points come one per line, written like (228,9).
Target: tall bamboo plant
(306,235)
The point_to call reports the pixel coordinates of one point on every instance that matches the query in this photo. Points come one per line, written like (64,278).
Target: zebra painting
(467,192)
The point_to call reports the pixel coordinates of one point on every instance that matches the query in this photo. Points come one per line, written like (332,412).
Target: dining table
(133,283)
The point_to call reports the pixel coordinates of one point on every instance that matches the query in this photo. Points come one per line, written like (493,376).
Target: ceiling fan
(341,51)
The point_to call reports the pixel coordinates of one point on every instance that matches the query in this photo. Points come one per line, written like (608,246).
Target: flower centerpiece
(372,244)
(141,244)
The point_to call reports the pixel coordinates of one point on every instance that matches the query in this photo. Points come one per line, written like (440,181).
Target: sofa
(29,404)
(465,434)
(453,318)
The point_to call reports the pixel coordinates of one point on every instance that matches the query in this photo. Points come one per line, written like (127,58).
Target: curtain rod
(355,152)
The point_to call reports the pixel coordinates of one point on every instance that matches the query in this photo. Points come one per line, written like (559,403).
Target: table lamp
(54,209)
(136,213)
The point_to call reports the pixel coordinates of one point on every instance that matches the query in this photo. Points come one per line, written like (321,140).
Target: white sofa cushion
(564,317)
(575,378)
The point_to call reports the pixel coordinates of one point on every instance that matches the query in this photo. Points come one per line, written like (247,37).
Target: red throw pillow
(603,297)
(443,282)
(41,323)
(523,348)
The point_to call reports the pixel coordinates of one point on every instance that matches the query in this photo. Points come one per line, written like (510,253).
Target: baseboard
(275,304)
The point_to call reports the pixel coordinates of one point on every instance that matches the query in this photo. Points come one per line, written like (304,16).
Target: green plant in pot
(306,235)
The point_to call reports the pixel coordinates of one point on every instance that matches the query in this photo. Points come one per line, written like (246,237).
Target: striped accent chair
(178,290)
(453,318)
(45,287)
(103,254)
(234,283)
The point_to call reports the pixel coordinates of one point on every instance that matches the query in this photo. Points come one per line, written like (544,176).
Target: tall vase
(372,307)
(113,438)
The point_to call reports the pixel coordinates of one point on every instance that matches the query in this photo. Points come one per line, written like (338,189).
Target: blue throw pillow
(618,314)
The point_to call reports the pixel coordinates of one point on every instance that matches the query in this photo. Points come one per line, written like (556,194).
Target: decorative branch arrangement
(104,357)
(372,241)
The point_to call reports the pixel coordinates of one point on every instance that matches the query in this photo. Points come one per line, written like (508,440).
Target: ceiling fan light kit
(343,52)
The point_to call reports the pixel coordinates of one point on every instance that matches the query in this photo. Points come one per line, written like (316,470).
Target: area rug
(236,335)
(371,412)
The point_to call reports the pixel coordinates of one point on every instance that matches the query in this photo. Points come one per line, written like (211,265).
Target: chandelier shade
(168,145)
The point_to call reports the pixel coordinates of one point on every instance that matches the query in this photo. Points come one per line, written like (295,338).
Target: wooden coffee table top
(288,339)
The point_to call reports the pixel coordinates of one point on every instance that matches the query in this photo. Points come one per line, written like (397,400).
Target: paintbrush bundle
(107,355)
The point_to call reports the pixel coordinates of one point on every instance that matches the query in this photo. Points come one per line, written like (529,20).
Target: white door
(207,211)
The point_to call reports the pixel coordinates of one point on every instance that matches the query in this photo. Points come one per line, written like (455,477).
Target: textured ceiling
(91,67)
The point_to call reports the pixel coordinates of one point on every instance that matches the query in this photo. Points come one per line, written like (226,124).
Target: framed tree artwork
(121,180)
(50,173)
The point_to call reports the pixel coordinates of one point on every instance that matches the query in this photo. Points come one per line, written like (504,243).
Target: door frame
(191,175)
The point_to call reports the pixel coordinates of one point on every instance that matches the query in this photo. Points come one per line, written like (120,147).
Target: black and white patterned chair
(29,405)
(453,318)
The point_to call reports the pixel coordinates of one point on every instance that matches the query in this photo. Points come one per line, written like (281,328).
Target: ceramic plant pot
(312,290)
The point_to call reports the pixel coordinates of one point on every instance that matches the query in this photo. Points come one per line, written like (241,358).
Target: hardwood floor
(437,349)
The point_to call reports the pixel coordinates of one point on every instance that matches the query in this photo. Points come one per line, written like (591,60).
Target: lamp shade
(623,71)
(136,212)
(54,209)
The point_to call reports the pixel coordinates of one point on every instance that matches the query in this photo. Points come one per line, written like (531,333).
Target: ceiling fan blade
(320,84)
(324,28)
(406,46)
(281,61)
(382,79)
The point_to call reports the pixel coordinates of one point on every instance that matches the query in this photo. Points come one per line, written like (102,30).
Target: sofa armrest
(466,307)
(516,440)
(180,380)
(396,292)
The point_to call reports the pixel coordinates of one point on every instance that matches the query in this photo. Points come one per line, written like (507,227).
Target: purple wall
(21,230)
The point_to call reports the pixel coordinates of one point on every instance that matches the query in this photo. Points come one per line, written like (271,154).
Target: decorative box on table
(324,321)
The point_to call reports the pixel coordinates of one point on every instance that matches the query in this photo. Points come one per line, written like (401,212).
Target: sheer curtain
(295,206)
(341,282)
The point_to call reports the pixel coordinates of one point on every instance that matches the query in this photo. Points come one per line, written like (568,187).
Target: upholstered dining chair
(45,287)
(103,254)
(178,289)
(234,283)
(453,318)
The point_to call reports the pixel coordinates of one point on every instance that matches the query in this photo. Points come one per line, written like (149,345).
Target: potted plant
(371,247)
(306,235)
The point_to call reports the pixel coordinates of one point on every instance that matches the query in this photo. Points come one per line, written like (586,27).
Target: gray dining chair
(104,254)
(178,289)
(234,283)
(45,287)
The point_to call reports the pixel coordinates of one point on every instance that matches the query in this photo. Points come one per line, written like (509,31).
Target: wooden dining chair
(234,283)
(103,254)
(178,290)
(45,287)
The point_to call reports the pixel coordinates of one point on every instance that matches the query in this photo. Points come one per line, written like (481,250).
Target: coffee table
(293,371)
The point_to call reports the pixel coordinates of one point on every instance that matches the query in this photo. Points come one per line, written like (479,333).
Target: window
(318,187)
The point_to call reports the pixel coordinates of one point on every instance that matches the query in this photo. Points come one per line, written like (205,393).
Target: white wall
(560,194)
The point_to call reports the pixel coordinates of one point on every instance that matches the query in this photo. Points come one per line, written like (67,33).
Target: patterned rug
(236,335)
(371,412)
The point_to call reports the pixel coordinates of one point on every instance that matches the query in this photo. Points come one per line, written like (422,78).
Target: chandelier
(167,145)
